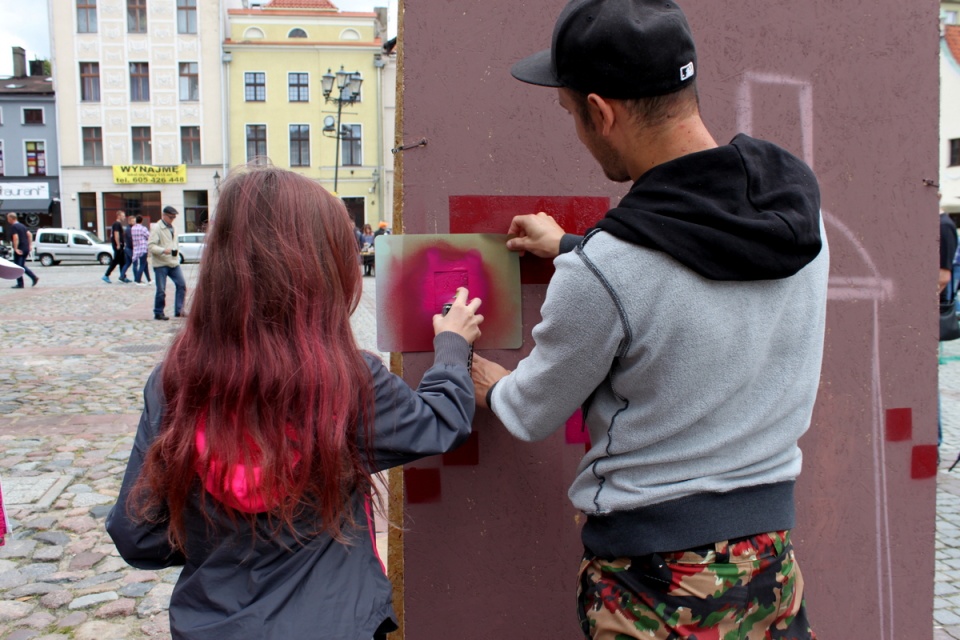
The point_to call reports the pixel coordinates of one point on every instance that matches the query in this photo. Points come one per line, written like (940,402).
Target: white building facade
(140,109)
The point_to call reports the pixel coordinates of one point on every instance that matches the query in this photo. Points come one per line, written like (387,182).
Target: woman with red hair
(253,458)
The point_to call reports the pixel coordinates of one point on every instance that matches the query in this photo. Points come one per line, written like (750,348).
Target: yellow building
(275,59)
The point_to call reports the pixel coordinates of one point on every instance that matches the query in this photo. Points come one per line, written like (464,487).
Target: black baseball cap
(618,49)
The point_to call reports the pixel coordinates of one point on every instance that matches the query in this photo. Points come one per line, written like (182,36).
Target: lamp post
(216,180)
(348,88)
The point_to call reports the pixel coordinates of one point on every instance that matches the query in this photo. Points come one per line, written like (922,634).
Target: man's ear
(602,113)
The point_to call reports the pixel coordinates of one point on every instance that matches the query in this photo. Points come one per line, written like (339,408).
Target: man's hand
(166,251)
(537,233)
(485,374)
(18,252)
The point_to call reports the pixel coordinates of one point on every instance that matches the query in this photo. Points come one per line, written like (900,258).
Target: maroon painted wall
(852,88)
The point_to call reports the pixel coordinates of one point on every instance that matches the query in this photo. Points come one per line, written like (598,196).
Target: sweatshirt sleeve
(435,418)
(575,345)
(142,544)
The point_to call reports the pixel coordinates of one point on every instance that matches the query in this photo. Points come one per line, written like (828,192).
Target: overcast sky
(27,28)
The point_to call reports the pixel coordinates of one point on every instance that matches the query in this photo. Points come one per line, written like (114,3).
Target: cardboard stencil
(418,274)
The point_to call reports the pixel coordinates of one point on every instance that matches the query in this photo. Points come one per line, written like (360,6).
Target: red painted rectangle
(899,426)
(923,461)
(466,455)
(492,214)
(576,431)
(421,486)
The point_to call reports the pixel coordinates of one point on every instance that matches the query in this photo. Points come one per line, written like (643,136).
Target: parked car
(191,246)
(55,245)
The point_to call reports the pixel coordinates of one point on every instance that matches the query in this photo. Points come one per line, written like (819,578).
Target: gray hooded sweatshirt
(689,327)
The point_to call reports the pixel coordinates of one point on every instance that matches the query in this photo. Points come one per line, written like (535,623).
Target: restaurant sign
(24,191)
(149,174)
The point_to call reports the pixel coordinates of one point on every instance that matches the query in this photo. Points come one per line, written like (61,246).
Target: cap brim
(9,271)
(536,69)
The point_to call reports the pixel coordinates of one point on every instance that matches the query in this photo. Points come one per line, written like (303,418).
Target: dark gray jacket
(235,584)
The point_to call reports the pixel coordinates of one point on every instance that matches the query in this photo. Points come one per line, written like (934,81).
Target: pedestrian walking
(693,417)
(22,245)
(140,235)
(163,249)
(127,247)
(261,429)
(115,236)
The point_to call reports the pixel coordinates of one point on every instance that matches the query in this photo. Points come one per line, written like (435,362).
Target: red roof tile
(951,34)
(322,5)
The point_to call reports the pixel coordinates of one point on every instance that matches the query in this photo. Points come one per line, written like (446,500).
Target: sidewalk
(77,353)
(946,605)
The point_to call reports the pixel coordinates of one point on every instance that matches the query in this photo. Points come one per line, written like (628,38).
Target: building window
(196,212)
(253,33)
(299,145)
(33,115)
(36,158)
(90,81)
(186,16)
(256,142)
(136,16)
(139,82)
(86,16)
(351,145)
(189,82)
(255,86)
(948,17)
(141,146)
(297,33)
(92,146)
(298,87)
(190,145)
(954,152)
(1,158)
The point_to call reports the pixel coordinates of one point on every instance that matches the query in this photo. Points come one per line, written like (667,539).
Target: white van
(72,245)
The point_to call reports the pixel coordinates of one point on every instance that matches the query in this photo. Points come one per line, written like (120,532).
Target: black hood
(744,211)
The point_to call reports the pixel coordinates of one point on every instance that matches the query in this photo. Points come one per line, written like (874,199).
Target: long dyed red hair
(269,360)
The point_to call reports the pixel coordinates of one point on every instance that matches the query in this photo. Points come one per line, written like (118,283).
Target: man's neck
(653,146)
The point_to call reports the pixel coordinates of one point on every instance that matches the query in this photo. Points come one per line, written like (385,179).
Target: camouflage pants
(746,589)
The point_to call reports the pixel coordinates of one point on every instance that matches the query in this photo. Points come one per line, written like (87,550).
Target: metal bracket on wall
(405,147)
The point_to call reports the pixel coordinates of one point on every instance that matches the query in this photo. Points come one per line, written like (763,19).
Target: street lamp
(348,87)
(216,180)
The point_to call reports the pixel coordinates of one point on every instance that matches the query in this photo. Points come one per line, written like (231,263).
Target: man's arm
(16,244)
(576,344)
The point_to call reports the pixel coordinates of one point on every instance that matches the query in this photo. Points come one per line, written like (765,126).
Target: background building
(141,117)
(276,56)
(950,106)
(29,183)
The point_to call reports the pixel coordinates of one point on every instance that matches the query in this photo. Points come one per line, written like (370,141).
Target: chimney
(36,67)
(19,62)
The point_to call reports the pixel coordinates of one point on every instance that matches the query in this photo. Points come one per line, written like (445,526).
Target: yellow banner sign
(149,174)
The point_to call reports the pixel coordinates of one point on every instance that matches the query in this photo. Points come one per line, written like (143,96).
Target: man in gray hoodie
(694,416)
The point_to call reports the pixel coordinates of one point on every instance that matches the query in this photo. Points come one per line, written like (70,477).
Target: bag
(949,327)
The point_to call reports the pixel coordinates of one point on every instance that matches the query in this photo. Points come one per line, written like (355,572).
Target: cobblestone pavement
(946,604)
(76,355)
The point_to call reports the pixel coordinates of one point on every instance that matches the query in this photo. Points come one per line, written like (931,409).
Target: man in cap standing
(694,417)
(164,255)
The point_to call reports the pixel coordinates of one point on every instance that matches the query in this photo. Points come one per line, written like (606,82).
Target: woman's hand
(462,318)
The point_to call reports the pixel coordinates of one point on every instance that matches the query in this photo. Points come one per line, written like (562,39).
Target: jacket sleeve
(575,345)
(144,545)
(153,241)
(435,418)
